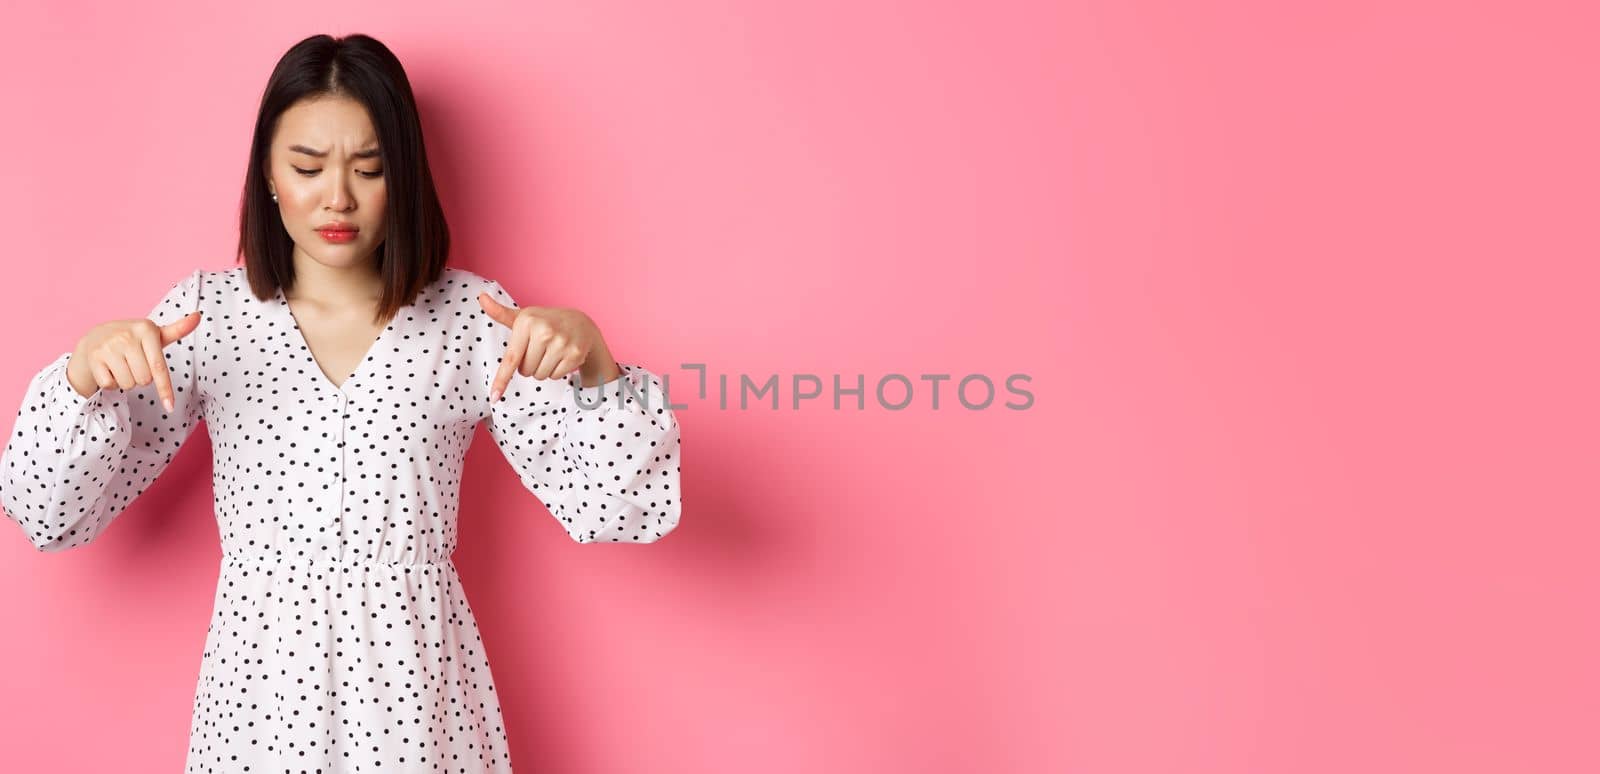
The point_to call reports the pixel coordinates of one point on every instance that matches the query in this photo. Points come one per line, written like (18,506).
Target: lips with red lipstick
(338,231)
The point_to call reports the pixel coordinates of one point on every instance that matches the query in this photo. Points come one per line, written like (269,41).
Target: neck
(358,283)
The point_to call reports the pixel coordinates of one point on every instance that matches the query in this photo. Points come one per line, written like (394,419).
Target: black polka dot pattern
(341,639)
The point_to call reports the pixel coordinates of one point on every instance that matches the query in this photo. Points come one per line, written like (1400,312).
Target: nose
(340,198)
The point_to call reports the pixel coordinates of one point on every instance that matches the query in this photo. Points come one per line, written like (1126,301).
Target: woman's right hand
(126,354)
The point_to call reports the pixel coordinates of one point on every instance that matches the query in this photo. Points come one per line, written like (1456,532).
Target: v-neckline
(320,374)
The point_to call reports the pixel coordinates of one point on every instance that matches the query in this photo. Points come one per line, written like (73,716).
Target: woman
(342,371)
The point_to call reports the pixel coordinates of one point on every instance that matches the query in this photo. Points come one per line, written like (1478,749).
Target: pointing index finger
(516,349)
(158,368)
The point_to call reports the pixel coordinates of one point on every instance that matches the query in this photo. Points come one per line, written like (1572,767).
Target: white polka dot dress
(341,639)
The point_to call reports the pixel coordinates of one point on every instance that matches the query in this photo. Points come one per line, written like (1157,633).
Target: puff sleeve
(73,463)
(605,467)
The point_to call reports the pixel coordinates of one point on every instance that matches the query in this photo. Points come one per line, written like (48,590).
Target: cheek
(379,205)
(296,196)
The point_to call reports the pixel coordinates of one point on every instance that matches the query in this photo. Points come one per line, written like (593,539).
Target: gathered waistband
(328,559)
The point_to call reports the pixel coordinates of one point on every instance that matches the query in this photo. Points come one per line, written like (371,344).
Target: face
(326,172)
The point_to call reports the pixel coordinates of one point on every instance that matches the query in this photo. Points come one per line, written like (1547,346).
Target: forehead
(321,122)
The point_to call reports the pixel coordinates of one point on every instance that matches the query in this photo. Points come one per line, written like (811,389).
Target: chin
(342,256)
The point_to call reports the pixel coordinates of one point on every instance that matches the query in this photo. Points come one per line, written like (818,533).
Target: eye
(313,172)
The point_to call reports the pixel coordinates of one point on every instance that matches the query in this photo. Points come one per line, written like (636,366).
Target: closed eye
(313,172)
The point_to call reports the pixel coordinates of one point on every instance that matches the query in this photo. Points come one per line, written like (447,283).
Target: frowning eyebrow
(370,153)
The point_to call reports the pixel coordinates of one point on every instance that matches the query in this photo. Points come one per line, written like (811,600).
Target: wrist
(599,368)
(81,383)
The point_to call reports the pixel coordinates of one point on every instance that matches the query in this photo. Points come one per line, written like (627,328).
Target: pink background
(1307,297)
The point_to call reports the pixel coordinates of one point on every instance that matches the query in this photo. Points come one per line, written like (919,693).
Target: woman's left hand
(549,343)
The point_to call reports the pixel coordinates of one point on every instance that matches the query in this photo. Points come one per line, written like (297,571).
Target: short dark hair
(416,240)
